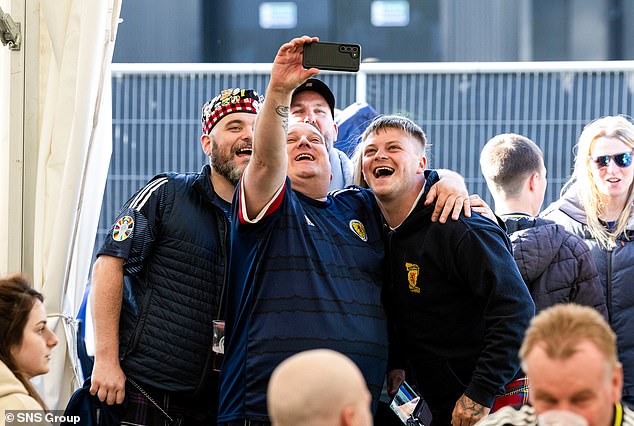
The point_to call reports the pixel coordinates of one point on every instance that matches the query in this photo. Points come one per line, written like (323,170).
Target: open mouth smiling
(244,151)
(304,157)
(383,171)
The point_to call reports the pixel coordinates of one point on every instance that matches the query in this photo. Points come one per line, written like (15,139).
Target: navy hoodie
(458,303)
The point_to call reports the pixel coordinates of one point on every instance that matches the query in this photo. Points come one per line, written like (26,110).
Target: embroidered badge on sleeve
(123,228)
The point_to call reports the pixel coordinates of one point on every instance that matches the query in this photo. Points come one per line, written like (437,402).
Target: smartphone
(405,402)
(332,56)
(410,407)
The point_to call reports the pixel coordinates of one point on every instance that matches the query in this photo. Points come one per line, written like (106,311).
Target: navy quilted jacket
(556,265)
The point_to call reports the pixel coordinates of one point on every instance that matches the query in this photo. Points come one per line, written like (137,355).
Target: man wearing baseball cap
(159,277)
(313,102)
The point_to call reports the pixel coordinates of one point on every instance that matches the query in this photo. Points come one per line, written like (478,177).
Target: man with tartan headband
(160,275)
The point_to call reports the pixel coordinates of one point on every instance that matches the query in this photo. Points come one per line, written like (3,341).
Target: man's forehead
(237,117)
(583,353)
(389,134)
(302,128)
(309,96)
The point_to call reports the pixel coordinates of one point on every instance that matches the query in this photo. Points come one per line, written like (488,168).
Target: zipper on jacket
(608,286)
(388,256)
(140,325)
(205,372)
(225,273)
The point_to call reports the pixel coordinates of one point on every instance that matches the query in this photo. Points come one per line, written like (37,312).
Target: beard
(225,164)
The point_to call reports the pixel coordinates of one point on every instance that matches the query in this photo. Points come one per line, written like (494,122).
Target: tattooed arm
(266,171)
(467,412)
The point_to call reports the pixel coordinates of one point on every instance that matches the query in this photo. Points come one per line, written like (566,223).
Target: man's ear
(336,132)
(617,382)
(348,416)
(422,164)
(532,181)
(205,142)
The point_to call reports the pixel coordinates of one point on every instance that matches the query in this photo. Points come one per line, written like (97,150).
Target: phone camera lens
(355,49)
(342,48)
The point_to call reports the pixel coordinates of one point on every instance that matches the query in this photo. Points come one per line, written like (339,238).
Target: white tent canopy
(74,41)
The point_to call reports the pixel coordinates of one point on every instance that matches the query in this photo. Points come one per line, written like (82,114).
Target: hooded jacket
(13,394)
(616,272)
(557,266)
(458,303)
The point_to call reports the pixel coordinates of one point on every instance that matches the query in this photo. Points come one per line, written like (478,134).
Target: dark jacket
(174,274)
(90,410)
(556,265)
(616,271)
(459,304)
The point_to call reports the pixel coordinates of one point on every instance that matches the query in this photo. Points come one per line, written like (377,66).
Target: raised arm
(266,171)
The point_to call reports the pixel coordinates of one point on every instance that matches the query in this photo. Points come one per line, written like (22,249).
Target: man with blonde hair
(318,387)
(569,355)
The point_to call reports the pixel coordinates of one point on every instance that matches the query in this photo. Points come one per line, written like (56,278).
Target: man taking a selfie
(306,266)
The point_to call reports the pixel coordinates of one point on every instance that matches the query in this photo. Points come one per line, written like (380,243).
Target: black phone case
(332,56)
(422,414)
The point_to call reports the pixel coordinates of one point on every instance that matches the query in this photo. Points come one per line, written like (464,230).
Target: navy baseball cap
(315,85)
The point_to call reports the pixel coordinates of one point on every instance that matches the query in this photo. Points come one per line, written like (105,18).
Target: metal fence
(156,111)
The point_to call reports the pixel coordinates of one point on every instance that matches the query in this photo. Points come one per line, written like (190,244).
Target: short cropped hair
(507,160)
(385,122)
(561,328)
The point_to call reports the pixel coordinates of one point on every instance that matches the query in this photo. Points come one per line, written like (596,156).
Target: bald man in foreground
(318,387)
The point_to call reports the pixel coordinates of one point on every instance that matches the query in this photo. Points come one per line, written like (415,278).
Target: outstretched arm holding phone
(266,171)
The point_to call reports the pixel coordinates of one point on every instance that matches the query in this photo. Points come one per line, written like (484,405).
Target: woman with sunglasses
(597,206)
(25,345)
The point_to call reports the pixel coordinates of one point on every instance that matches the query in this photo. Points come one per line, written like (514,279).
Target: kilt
(174,409)
(515,394)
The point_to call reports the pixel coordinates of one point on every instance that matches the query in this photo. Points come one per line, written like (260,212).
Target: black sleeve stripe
(141,198)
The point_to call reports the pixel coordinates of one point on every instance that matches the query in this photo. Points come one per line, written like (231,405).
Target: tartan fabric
(515,394)
(180,407)
(227,102)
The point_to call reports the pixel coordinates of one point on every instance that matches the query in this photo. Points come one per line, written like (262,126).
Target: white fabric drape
(74,153)
(5,72)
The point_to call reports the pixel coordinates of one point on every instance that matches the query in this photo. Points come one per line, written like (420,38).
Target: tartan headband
(228,102)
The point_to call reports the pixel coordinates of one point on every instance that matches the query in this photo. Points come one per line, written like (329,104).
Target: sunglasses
(622,160)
